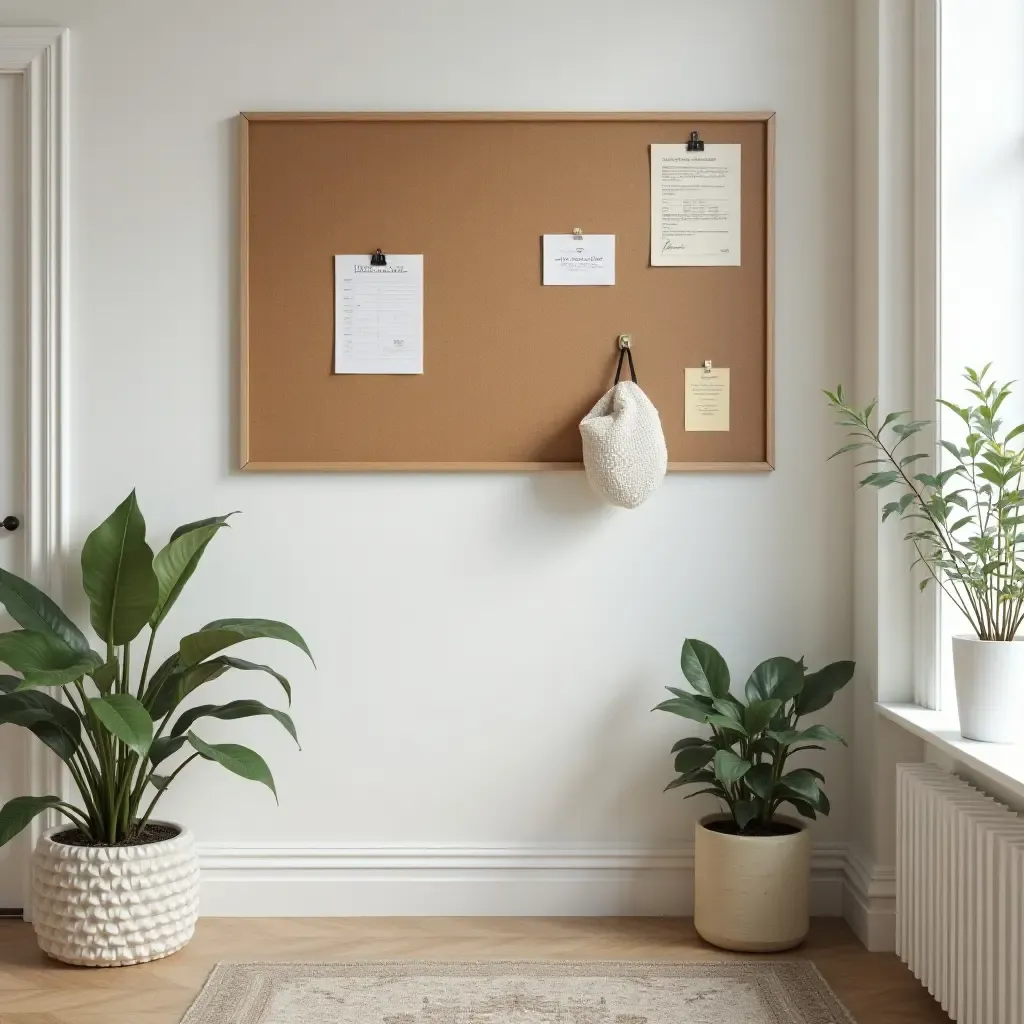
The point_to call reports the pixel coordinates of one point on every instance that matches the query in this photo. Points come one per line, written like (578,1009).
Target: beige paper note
(707,398)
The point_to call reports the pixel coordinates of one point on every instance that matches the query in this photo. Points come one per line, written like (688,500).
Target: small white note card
(707,399)
(586,260)
(378,315)
(695,206)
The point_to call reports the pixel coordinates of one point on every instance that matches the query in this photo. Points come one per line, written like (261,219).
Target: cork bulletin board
(510,366)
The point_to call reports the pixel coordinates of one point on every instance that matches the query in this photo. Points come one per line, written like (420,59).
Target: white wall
(488,647)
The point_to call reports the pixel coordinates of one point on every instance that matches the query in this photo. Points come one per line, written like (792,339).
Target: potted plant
(965,528)
(117,886)
(752,865)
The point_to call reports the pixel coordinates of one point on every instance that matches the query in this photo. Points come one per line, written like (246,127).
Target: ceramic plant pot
(751,892)
(108,906)
(989,677)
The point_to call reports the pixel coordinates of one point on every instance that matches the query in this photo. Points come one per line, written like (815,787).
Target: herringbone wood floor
(876,987)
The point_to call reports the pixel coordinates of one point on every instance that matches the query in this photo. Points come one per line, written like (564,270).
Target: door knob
(10,522)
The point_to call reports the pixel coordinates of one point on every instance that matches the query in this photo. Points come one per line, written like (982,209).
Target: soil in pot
(761,829)
(150,833)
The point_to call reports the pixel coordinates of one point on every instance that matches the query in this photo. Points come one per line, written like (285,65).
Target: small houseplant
(752,865)
(965,525)
(116,886)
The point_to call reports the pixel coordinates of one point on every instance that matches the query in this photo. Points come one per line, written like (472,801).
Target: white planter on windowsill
(989,676)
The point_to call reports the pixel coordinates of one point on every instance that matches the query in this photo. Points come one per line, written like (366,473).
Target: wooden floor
(876,987)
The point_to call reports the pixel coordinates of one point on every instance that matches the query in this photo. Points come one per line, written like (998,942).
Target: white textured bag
(624,449)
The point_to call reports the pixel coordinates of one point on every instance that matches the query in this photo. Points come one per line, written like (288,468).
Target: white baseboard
(525,881)
(869,902)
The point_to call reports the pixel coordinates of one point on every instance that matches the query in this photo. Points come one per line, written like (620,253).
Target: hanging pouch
(624,450)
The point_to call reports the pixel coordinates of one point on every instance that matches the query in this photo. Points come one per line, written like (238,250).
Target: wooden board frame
(245,119)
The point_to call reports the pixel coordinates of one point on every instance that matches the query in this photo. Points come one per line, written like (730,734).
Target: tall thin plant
(116,728)
(965,521)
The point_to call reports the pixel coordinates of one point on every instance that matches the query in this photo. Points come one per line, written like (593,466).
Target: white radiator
(960,895)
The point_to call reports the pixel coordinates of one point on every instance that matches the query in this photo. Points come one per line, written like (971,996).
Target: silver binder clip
(625,341)
(707,365)
(577,234)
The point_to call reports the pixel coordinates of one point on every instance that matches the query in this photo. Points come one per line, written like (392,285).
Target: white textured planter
(751,892)
(109,906)
(989,677)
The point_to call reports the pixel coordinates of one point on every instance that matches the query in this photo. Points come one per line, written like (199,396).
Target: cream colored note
(707,398)
(695,206)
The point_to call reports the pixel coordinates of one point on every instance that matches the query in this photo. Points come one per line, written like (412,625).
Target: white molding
(869,902)
(927,256)
(523,881)
(40,57)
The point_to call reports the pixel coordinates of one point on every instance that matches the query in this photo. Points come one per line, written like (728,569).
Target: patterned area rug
(518,992)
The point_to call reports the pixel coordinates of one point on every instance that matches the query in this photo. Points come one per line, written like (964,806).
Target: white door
(13,420)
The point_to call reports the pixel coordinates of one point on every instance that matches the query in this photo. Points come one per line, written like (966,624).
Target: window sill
(1002,763)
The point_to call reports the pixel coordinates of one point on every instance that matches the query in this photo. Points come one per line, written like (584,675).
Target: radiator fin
(960,895)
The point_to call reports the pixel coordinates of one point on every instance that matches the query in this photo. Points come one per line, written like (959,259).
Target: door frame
(40,56)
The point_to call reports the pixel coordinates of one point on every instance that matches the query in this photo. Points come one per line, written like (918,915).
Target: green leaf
(125,718)
(17,813)
(743,813)
(164,747)
(688,741)
(730,767)
(953,450)
(758,713)
(908,459)
(33,610)
(705,669)
(820,732)
(730,707)
(821,686)
(801,784)
(881,479)
(28,651)
(714,791)
(117,574)
(177,561)
(726,722)
(223,633)
(781,678)
(54,676)
(892,417)
(248,709)
(240,760)
(691,758)
(759,781)
(47,719)
(802,807)
(687,705)
(106,675)
(964,414)
(848,448)
(159,782)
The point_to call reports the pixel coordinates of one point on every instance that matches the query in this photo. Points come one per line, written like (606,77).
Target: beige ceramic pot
(108,906)
(751,892)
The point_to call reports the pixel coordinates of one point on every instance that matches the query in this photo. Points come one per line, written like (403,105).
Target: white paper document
(707,399)
(695,206)
(572,260)
(378,315)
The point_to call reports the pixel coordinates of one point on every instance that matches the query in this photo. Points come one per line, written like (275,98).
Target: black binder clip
(379,260)
(694,145)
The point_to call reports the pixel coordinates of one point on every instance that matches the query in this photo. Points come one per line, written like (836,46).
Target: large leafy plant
(965,520)
(116,729)
(744,760)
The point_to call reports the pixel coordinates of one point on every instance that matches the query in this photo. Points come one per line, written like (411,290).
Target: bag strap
(623,353)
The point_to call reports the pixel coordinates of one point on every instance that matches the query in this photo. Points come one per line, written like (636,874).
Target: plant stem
(160,792)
